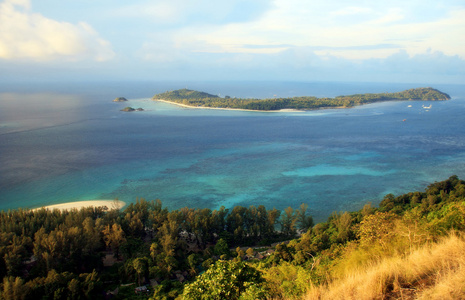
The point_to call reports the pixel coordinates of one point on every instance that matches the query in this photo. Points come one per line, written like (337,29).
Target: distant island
(198,99)
(120,99)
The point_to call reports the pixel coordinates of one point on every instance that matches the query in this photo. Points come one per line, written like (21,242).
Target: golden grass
(435,271)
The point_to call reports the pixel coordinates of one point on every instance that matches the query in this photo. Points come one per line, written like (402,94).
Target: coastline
(225,108)
(110,204)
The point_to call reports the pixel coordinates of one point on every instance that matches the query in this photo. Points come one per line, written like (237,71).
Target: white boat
(427,107)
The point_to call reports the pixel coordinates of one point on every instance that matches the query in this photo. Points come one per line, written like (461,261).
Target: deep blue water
(70,142)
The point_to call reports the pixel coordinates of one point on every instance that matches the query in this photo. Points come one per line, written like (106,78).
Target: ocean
(67,142)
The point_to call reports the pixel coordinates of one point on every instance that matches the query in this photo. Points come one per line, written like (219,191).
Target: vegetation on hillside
(54,254)
(201,99)
(185,94)
(411,246)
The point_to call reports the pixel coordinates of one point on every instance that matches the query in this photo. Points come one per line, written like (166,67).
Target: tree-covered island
(202,99)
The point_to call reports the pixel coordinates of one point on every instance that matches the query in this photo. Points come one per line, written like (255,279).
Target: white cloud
(31,36)
(352,10)
(393,15)
(182,12)
(289,39)
(302,23)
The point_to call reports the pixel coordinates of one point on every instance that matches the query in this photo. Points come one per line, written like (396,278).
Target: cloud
(352,10)
(237,39)
(355,33)
(175,13)
(428,62)
(26,35)
(308,64)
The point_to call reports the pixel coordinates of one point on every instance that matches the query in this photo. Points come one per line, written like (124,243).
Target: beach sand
(110,204)
(225,108)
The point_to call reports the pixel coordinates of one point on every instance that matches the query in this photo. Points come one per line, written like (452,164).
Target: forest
(148,252)
(202,99)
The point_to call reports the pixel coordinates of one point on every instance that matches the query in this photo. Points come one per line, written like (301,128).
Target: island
(130,109)
(120,99)
(191,98)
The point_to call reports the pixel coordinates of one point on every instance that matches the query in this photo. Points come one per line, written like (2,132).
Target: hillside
(184,94)
(411,246)
(432,271)
(201,99)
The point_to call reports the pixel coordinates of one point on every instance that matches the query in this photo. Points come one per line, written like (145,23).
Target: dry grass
(435,271)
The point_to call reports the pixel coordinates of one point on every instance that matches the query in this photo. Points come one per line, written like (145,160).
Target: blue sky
(304,40)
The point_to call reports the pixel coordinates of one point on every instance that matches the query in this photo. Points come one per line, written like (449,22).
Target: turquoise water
(71,143)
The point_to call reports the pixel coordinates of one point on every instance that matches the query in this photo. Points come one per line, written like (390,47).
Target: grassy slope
(412,248)
(434,271)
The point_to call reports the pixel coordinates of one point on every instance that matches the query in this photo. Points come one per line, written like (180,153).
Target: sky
(284,40)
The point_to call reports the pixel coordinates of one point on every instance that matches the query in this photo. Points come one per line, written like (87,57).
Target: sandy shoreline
(110,204)
(223,108)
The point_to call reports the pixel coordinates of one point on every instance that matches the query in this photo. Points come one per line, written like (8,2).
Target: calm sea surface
(70,142)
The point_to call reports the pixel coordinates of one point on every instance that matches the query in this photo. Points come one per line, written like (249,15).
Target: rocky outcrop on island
(120,99)
(129,109)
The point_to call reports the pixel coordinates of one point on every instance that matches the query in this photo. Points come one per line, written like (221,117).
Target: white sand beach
(225,108)
(110,204)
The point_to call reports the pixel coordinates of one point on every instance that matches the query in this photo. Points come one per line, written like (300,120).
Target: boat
(427,107)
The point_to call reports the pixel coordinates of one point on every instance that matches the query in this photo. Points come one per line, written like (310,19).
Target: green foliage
(54,254)
(449,217)
(167,290)
(114,237)
(227,280)
(201,99)
(184,94)
(304,221)
(376,228)
(288,280)
(54,286)
(222,248)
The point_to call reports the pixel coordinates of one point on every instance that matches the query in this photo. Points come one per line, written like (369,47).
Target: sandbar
(109,204)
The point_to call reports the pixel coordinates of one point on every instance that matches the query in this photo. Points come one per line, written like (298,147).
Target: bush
(227,280)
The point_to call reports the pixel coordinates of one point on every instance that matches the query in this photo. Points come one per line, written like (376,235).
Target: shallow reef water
(70,144)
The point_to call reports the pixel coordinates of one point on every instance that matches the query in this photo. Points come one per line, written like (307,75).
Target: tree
(91,235)
(192,261)
(273,217)
(222,248)
(250,252)
(114,237)
(377,228)
(13,288)
(303,221)
(91,284)
(342,222)
(288,220)
(227,280)
(140,265)
(240,253)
